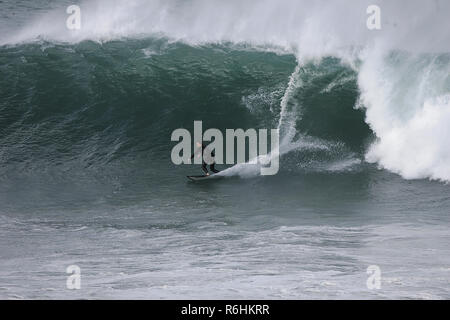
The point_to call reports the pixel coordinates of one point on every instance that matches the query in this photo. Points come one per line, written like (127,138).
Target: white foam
(418,147)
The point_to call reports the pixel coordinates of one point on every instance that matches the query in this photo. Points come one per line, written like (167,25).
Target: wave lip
(419,147)
(314,29)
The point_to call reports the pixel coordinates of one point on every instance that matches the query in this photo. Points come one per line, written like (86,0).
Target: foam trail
(289,112)
(252,168)
(286,122)
(286,130)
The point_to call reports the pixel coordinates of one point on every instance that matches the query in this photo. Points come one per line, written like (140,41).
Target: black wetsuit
(204,164)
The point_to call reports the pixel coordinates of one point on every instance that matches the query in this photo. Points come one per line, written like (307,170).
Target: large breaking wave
(139,69)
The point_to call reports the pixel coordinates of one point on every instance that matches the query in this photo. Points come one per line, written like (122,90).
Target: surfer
(207,158)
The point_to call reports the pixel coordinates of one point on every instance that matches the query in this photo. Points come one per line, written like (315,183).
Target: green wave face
(99,103)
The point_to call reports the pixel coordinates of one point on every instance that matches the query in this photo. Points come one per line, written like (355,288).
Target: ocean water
(86,177)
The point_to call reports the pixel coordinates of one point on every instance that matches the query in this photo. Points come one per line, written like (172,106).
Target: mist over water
(85,123)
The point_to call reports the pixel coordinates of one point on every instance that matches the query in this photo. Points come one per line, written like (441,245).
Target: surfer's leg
(204,168)
(211,167)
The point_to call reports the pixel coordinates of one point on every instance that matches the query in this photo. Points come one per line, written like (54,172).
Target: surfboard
(203,177)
